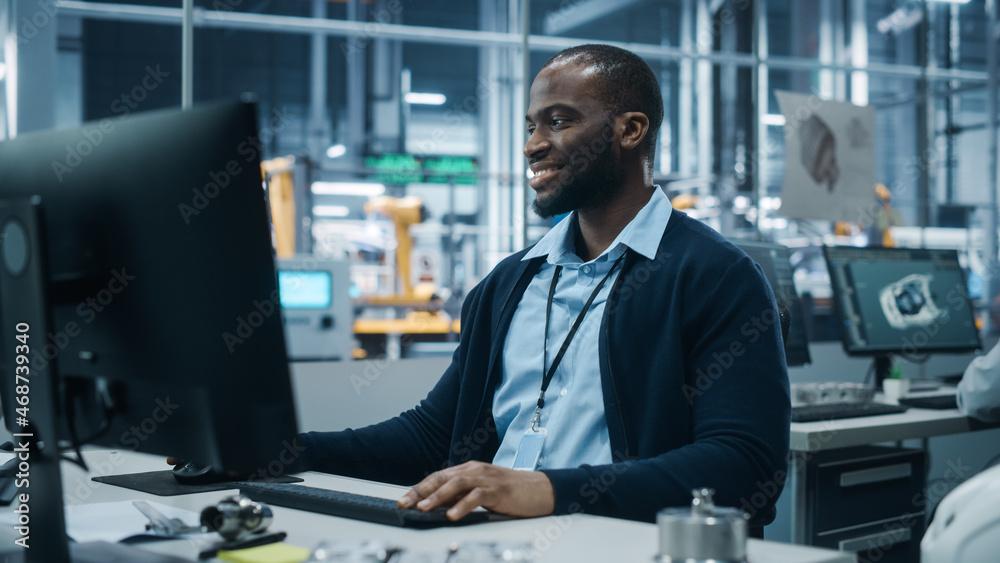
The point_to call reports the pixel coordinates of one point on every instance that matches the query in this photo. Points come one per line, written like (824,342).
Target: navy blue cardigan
(694,377)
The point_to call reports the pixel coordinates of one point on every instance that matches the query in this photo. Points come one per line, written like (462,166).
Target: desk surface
(557,538)
(914,423)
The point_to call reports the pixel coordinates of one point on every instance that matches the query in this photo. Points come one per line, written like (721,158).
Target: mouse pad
(162,483)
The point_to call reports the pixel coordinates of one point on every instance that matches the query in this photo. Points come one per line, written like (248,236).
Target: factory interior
(848,147)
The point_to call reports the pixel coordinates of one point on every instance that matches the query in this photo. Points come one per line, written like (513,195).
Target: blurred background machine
(411,314)
(403,212)
(316,308)
(280,186)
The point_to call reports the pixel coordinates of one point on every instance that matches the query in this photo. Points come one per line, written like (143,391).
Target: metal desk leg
(797,484)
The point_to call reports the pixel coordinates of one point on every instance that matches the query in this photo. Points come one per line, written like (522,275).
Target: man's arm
(406,448)
(979,389)
(399,450)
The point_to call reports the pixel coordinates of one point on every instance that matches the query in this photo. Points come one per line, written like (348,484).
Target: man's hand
(473,484)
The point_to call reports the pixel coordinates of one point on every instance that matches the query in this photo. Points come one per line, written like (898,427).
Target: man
(630,356)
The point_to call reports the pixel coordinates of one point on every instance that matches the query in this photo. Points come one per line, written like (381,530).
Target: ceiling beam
(576,14)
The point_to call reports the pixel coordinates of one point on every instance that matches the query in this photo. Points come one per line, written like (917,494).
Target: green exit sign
(395,168)
(408,169)
(462,168)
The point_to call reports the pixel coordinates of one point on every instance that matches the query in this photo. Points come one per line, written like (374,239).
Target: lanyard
(547,375)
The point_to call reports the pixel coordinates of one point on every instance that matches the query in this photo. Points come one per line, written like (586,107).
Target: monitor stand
(883,365)
(27,317)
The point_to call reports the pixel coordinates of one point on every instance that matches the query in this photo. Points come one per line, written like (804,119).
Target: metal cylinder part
(702,533)
(237,517)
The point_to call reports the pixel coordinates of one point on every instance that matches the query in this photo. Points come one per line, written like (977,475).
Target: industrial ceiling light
(347,188)
(336,151)
(331,211)
(425,98)
(775,119)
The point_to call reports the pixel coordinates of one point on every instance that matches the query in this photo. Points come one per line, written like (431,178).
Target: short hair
(627,83)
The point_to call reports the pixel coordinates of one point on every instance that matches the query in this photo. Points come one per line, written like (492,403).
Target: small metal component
(237,517)
(160,524)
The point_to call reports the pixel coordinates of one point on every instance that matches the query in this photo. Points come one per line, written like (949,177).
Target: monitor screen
(901,300)
(305,290)
(773,258)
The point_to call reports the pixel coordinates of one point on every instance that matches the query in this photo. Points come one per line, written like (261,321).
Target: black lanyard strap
(547,375)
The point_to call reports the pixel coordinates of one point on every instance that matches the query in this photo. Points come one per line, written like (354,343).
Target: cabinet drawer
(859,485)
(892,541)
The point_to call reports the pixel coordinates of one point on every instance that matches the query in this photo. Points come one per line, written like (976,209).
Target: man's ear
(634,126)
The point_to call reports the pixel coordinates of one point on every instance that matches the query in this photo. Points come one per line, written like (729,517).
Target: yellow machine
(403,212)
(887,216)
(278,176)
(425,319)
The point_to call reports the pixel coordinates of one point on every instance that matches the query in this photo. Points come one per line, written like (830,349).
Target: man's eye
(558,122)
(530,131)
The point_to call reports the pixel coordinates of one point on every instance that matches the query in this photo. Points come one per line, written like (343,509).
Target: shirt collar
(642,234)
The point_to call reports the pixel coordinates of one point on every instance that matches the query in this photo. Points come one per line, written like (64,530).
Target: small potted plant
(895,386)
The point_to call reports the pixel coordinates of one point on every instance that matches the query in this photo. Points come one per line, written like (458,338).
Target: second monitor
(774,260)
(901,301)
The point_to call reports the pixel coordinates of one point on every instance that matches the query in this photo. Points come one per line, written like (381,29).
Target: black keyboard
(829,411)
(946,401)
(348,505)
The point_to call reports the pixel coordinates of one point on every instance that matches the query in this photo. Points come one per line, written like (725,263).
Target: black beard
(596,184)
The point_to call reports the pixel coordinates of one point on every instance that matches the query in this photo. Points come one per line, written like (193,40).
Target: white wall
(338,395)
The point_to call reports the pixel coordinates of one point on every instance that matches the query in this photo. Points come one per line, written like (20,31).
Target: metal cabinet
(869,500)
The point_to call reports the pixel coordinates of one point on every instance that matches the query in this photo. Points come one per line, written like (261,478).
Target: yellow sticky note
(270,553)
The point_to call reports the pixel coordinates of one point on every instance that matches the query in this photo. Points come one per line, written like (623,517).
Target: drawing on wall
(819,151)
(829,158)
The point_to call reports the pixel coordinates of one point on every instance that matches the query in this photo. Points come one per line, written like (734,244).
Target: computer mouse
(193,473)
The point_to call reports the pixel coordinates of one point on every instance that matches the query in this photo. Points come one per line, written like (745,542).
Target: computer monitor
(138,296)
(774,259)
(305,290)
(901,301)
(316,306)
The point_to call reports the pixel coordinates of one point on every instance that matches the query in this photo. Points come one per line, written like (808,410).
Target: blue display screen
(305,290)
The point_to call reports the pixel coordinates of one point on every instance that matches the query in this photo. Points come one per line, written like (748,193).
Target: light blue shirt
(574,402)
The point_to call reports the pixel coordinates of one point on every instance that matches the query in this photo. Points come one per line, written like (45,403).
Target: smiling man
(629,356)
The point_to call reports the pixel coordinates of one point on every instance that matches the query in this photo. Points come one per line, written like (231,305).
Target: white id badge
(529,450)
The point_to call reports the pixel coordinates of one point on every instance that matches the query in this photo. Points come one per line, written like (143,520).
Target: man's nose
(536,146)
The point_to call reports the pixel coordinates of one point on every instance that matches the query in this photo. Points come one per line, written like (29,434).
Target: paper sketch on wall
(818,151)
(829,158)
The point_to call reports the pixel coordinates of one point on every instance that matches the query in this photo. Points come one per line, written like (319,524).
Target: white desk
(558,538)
(914,423)
(807,437)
